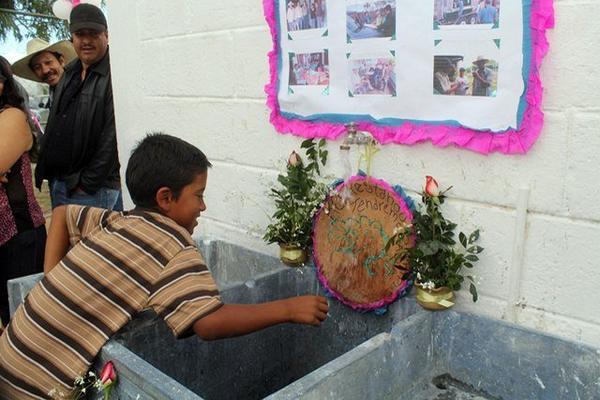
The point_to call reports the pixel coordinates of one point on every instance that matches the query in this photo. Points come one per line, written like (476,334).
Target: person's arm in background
(240,319)
(57,243)
(482,79)
(15,139)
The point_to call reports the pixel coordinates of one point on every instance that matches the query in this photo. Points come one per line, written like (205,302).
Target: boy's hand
(310,310)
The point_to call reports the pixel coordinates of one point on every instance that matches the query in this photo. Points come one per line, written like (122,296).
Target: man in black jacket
(79,150)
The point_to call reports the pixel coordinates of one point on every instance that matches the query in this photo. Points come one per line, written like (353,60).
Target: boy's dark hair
(161,160)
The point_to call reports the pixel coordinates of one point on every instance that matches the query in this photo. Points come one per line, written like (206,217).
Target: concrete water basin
(407,353)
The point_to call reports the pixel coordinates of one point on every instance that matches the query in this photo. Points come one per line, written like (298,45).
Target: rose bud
(108,374)
(294,160)
(431,187)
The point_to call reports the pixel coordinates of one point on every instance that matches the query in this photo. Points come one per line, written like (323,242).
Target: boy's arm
(240,319)
(57,244)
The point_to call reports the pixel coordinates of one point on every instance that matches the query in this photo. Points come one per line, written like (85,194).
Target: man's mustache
(47,75)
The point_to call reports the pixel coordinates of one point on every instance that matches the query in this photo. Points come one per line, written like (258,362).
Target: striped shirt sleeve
(83,221)
(184,292)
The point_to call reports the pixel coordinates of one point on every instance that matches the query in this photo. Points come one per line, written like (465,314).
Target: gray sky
(13,50)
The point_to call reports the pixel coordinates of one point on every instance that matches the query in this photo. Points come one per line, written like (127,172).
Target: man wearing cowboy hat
(79,155)
(45,62)
(482,78)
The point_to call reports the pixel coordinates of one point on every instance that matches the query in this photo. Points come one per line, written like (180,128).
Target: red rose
(431,187)
(294,159)
(108,374)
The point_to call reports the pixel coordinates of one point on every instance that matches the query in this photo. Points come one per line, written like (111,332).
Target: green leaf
(307,144)
(388,245)
(472,257)
(429,248)
(448,241)
(283,180)
(324,154)
(468,265)
(463,239)
(473,291)
(475,249)
(474,236)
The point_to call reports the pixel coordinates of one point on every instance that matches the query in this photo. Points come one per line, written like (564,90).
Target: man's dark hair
(11,95)
(56,55)
(161,160)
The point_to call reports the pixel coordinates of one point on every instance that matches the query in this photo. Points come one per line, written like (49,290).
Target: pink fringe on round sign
(512,141)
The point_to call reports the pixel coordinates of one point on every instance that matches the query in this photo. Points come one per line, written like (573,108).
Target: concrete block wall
(196,69)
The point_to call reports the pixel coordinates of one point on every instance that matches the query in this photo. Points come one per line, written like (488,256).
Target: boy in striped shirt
(103,267)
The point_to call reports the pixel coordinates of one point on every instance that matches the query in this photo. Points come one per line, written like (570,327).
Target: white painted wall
(196,69)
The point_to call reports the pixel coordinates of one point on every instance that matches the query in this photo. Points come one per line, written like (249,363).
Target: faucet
(354,136)
(360,138)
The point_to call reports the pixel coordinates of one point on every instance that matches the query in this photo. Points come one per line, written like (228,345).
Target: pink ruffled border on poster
(511,141)
(405,284)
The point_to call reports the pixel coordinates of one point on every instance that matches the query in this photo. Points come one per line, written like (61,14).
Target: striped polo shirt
(118,264)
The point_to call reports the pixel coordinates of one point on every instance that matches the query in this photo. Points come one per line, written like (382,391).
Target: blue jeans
(103,198)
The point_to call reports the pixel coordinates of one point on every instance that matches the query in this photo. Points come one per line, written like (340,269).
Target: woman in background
(22,230)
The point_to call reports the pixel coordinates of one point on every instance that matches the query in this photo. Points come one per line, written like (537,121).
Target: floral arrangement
(435,259)
(84,384)
(299,197)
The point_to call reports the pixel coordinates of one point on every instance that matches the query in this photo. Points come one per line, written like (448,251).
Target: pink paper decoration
(511,141)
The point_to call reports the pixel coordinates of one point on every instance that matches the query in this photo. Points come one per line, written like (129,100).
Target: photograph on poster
(306,14)
(370,19)
(372,76)
(466,12)
(309,69)
(457,75)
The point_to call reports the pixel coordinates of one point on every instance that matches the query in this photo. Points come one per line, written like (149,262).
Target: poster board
(449,71)
(349,236)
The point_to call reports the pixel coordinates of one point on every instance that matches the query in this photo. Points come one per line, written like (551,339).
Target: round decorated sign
(349,236)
